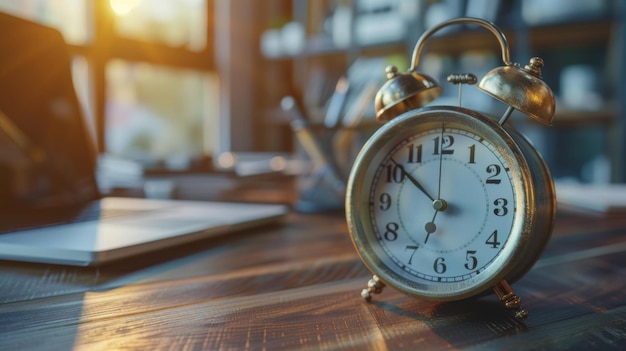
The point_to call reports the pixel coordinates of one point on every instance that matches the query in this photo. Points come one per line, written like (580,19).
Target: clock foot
(374,286)
(510,300)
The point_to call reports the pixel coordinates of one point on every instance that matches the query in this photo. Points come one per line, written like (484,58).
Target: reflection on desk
(297,286)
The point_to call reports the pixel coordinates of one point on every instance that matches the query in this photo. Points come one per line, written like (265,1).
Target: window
(144,73)
(177,23)
(156,114)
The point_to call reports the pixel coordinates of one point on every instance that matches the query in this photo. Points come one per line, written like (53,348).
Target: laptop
(51,210)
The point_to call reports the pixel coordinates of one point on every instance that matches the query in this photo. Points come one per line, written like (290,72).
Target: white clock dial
(442,205)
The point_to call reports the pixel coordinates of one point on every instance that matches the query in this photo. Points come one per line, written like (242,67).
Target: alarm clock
(446,203)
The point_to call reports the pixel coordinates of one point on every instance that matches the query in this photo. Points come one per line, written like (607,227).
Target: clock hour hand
(413,180)
(431,227)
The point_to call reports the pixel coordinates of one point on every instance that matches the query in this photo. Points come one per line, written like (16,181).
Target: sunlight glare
(123,7)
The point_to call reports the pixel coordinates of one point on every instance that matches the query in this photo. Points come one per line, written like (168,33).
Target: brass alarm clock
(446,203)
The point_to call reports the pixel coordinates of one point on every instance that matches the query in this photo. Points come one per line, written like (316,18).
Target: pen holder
(326,155)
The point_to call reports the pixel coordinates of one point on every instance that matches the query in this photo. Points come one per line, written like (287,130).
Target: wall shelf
(590,38)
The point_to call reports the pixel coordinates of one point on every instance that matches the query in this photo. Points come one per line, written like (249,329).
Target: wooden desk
(297,286)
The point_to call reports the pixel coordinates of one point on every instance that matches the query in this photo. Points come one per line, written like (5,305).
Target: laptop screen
(46,155)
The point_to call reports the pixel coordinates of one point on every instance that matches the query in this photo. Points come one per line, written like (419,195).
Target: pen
(336,104)
(357,110)
(343,140)
(312,145)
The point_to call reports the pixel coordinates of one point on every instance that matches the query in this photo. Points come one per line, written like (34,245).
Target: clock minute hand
(413,180)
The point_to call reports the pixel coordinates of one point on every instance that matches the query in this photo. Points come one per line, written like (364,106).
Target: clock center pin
(440,205)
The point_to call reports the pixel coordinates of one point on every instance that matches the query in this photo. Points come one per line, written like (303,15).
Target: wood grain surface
(297,285)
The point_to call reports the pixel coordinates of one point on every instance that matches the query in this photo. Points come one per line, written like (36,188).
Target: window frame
(106,45)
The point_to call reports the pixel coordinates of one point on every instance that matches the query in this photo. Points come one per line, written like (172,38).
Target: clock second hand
(439,204)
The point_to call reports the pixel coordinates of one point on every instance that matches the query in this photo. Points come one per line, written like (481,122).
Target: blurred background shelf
(588,38)
(175,85)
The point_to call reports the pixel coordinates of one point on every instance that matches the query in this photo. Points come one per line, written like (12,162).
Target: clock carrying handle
(419,46)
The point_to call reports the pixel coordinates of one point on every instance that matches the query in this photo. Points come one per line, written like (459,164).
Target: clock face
(441,195)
